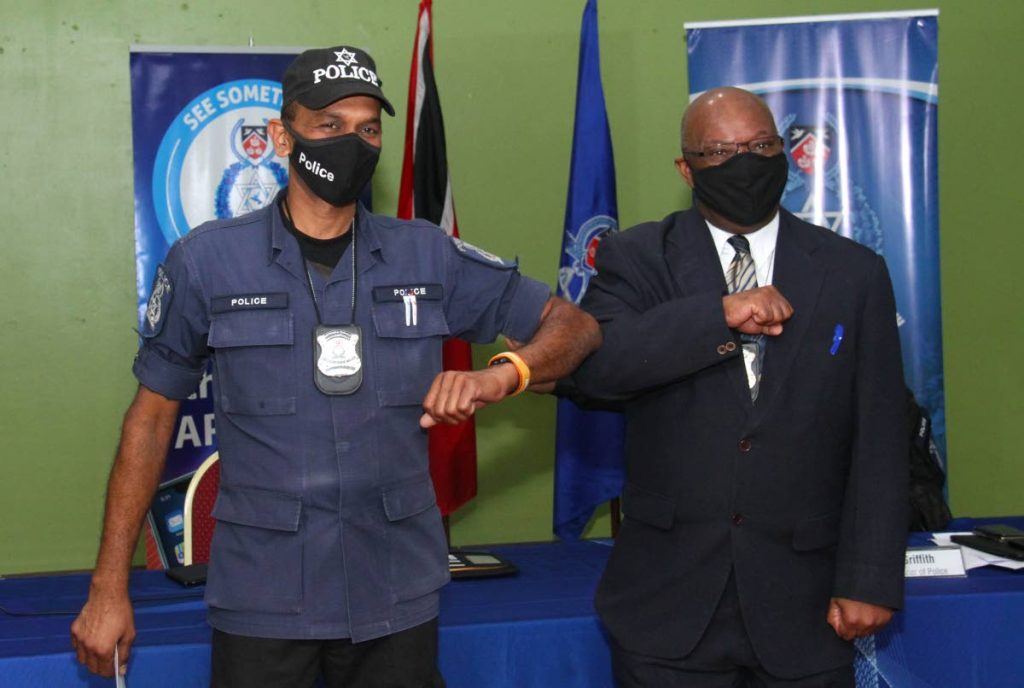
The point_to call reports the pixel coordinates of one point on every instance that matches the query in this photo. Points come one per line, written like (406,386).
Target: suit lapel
(695,268)
(798,277)
(690,256)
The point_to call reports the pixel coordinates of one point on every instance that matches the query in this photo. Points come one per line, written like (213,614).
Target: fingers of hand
(750,326)
(451,399)
(770,308)
(99,658)
(443,393)
(99,627)
(840,621)
(124,648)
(92,649)
(437,397)
(835,618)
(459,405)
(429,400)
(859,619)
(80,653)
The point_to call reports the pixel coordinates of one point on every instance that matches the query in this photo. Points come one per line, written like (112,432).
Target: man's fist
(105,621)
(455,395)
(852,619)
(757,311)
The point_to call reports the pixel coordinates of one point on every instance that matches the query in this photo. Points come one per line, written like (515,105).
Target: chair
(199,500)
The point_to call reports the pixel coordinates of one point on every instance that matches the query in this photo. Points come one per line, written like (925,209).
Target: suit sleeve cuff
(872,584)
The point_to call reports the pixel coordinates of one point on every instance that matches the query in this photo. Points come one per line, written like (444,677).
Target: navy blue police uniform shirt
(327,525)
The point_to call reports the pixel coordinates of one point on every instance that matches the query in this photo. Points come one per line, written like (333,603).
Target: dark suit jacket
(803,495)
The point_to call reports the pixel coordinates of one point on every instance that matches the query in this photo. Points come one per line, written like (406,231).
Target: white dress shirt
(762,249)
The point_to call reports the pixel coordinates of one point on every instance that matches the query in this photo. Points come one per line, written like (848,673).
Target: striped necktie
(741,277)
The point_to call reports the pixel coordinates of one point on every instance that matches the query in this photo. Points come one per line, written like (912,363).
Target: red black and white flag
(426,193)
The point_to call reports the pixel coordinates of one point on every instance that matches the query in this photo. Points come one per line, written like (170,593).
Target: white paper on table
(974,558)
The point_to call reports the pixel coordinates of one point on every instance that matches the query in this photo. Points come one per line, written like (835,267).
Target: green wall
(507,74)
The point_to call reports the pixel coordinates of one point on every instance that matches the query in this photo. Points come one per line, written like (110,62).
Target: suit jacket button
(737,519)
(730,346)
(722,350)
(744,445)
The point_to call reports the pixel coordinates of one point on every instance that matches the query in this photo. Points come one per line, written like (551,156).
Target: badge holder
(338,358)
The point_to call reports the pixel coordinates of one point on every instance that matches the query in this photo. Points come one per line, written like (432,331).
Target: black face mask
(335,169)
(745,189)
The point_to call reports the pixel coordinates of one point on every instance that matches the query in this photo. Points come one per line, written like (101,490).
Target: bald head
(725,114)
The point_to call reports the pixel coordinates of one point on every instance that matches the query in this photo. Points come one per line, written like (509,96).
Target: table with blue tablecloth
(537,628)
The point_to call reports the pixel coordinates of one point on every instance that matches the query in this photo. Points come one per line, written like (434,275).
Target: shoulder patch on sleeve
(482,256)
(159,303)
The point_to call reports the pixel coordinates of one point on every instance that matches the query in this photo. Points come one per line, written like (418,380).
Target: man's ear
(280,137)
(685,171)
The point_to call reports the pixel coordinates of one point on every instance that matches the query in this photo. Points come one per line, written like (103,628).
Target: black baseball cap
(318,77)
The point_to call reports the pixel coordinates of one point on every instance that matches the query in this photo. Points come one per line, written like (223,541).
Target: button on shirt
(327,525)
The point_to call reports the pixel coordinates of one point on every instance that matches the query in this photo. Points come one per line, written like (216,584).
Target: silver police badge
(338,356)
(338,353)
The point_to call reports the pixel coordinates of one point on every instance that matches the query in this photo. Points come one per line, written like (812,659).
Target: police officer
(324,323)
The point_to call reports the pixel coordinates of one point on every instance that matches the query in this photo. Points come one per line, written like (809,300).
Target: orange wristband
(519,364)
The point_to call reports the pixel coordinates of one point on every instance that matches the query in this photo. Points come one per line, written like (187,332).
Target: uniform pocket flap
(409,498)
(258,508)
(251,328)
(410,321)
(816,532)
(649,507)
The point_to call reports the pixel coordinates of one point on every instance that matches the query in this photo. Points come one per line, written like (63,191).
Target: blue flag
(588,444)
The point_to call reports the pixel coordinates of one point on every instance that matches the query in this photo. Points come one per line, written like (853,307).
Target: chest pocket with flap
(409,335)
(255,361)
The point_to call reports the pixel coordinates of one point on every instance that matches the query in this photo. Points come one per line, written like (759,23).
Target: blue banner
(201,152)
(588,444)
(855,97)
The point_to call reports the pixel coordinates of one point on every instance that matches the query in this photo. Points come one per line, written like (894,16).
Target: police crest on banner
(815,188)
(216,160)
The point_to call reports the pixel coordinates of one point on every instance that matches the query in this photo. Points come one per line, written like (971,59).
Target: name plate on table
(925,562)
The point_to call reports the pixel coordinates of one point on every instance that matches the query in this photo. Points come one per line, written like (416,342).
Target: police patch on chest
(338,358)
(159,302)
(247,301)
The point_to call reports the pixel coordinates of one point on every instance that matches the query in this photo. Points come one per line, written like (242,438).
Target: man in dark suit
(757,360)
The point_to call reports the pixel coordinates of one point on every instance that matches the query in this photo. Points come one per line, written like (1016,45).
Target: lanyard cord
(309,276)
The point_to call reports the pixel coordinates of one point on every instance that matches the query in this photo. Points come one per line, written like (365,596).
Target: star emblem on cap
(346,57)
